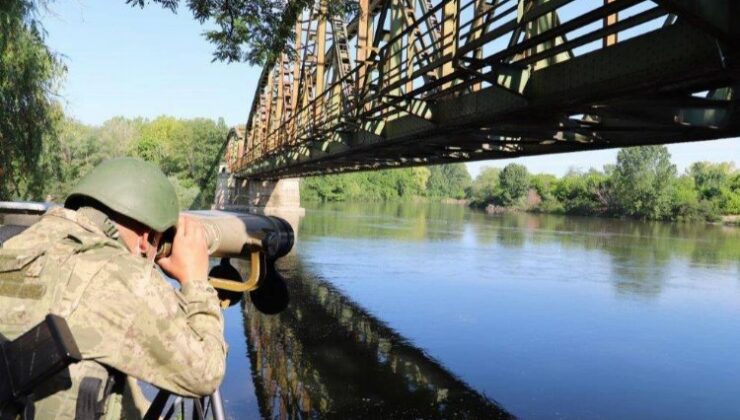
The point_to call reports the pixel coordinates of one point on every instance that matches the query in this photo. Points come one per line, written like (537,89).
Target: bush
(485,188)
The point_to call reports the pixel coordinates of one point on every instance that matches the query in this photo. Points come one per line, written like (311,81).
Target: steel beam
(504,79)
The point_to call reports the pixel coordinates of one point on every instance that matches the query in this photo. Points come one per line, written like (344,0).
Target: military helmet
(132,187)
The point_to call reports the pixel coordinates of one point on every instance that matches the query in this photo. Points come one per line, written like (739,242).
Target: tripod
(200,407)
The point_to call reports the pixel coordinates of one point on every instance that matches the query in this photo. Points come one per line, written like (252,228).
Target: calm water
(435,311)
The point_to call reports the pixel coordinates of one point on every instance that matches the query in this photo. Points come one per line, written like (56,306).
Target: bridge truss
(418,82)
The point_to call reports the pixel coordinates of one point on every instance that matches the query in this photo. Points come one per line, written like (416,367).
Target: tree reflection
(640,253)
(324,356)
(401,221)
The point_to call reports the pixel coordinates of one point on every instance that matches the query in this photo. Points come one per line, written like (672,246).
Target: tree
(187,151)
(587,193)
(514,180)
(711,178)
(544,185)
(485,188)
(256,31)
(29,73)
(450,180)
(732,206)
(643,179)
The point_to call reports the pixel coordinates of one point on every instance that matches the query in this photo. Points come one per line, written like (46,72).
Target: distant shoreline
(492,209)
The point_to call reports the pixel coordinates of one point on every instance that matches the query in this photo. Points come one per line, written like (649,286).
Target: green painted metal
(528,78)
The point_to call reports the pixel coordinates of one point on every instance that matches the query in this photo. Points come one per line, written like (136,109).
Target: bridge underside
(563,80)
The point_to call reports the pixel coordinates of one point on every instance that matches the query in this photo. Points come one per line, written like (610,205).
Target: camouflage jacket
(121,311)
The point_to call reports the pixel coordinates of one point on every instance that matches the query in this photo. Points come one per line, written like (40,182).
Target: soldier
(93,263)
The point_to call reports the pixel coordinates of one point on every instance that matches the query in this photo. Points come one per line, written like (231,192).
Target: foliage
(186,150)
(256,31)
(389,184)
(687,205)
(29,73)
(544,185)
(717,183)
(643,184)
(485,187)
(711,178)
(514,181)
(643,180)
(386,185)
(450,180)
(584,193)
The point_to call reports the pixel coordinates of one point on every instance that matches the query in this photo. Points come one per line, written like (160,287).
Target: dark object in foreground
(34,357)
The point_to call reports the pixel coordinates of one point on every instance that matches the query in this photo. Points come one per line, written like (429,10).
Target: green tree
(714,182)
(711,178)
(29,74)
(249,30)
(385,185)
(450,180)
(486,188)
(188,151)
(687,203)
(732,206)
(514,181)
(643,179)
(544,185)
(421,176)
(584,193)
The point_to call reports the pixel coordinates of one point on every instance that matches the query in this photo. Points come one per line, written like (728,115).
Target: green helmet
(133,188)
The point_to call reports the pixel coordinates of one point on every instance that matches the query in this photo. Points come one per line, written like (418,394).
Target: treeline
(442,181)
(187,150)
(43,153)
(643,184)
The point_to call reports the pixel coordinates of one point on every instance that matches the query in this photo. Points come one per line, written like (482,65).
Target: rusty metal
(416,82)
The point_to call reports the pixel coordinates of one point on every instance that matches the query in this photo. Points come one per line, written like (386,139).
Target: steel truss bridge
(417,82)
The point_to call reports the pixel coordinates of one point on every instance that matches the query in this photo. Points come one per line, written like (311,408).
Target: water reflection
(388,220)
(639,253)
(554,316)
(326,357)
(657,241)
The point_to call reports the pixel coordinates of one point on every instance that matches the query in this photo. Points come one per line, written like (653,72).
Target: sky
(150,62)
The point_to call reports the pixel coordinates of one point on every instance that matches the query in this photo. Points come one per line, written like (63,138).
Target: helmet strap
(101,220)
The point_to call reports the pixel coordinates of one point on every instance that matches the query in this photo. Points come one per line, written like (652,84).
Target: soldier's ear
(144,242)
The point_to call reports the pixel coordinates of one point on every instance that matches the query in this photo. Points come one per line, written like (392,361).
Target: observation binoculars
(259,239)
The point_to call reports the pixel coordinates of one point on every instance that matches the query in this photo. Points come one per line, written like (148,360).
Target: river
(438,311)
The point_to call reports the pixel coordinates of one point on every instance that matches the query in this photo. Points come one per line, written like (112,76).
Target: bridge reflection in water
(325,356)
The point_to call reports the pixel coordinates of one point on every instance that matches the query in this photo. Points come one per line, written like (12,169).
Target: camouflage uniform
(121,311)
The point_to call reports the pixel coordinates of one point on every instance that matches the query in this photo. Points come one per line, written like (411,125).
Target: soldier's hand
(189,258)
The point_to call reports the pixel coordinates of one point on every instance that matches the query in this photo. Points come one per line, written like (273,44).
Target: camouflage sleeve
(130,318)
(183,353)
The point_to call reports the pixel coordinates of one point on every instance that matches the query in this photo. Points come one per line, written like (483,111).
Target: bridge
(416,82)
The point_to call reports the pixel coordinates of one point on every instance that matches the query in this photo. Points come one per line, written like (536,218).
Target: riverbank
(492,209)
(643,184)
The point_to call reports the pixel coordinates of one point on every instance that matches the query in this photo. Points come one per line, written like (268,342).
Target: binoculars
(259,239)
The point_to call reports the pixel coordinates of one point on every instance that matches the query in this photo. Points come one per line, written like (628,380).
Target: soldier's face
(137,240)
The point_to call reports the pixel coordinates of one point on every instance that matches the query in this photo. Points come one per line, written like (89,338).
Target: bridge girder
(461,80)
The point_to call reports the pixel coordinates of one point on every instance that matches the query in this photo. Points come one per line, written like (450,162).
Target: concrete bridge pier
(280,198)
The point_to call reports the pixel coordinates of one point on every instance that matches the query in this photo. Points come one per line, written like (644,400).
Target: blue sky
(133,62)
